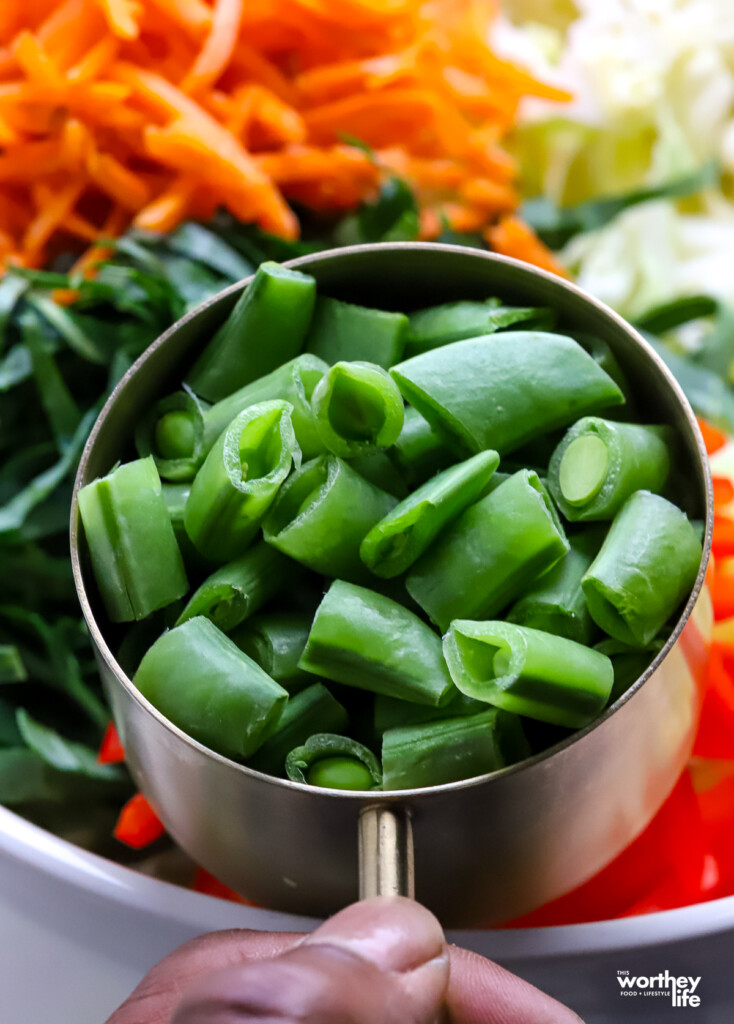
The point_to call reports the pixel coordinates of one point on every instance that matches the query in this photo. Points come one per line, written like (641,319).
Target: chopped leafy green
(556,225)
(12,669)
(65,755)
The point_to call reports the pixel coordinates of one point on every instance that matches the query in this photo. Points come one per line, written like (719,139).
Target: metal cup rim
(395,796)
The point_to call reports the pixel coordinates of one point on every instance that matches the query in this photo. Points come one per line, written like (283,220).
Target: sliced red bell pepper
(715,737)
(138,825)
(713,438)
(205,882)
(723,491)
(111,750)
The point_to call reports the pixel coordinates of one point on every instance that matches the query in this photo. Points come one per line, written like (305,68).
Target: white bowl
(77,932)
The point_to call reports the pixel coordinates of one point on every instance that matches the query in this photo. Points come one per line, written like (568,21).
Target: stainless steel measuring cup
(486,849)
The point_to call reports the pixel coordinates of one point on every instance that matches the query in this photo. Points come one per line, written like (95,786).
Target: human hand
(381,961)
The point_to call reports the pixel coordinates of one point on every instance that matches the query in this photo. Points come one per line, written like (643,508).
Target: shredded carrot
(220,44)
(170,108)
(510,237)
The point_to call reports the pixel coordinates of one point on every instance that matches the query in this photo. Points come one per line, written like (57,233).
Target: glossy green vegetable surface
(238,589)
(528,672)
(313,710)
(357,407)
(275,640)
(491,554)
(555,602)
(322,514)
(205,685)
(360,638)
(334,762)
(343,331)
(600,463)
(646,566)
(502,390)
(135,557)
(239,480)
(407,531)
(434,753)
(267,327)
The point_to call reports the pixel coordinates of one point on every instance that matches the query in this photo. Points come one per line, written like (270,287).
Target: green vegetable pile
(294,534)
(57,365)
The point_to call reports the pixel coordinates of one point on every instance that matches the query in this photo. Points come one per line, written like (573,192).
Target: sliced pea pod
(311,711)
(203,683)
(322,514)
(343,331)
(360,638)
(407,531)
(528,672)
(491,554)
(237,590)
(436,753)
(135,558)
(275,640)
(502,390)
(556,603)
(357,407)
(175,433)
(334,762)
(419,451)
(267,327)
(454,321)
(293,382)
(239,480)
(600,463)
(646,567)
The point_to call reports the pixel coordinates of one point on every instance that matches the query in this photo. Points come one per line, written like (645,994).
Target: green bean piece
(175,497)
(628,663)
(357,407)
(135,558)
(454,321)
(501,390)
(334,762)
(311,711)
(419,452)
(275,640)
(450,750)
(377,467)
(491,554)
(12,669)
(292,382)
(602,354)
(342,331)
(205,685)
(237,590)
(404,534)
(239,480)
(646,567)
(389,712)
(555,603)
(363,639)
(175,433)
(528,672)
(266,328)
(600,463)
(322,514)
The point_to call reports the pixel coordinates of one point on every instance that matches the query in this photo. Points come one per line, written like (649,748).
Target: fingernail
(395,933)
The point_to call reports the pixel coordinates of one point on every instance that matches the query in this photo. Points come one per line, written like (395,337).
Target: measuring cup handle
(385,852)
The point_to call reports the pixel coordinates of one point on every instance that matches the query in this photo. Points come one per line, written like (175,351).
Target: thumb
(381,961)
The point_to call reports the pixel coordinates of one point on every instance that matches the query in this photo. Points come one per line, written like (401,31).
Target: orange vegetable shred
(152,111)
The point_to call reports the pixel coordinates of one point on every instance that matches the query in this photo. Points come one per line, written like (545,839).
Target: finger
(382,961)
(482,992)
(157,995)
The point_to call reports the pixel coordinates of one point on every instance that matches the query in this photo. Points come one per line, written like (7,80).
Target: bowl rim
(124,887)
(345,252)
